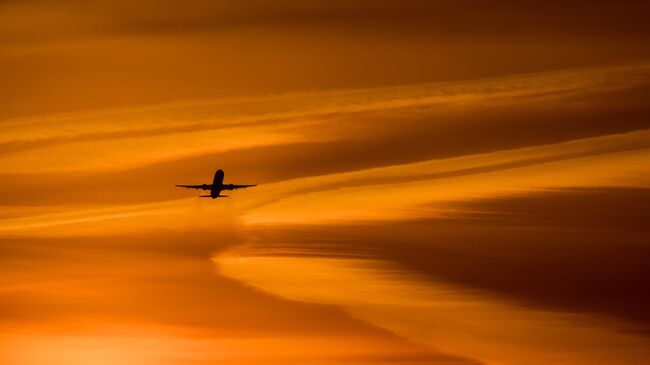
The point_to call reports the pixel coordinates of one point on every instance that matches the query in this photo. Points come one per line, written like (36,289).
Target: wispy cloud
(126,138)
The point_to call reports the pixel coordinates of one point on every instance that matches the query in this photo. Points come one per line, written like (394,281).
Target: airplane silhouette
(216,187)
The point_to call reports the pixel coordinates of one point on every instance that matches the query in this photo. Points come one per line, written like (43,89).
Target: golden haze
(438,182)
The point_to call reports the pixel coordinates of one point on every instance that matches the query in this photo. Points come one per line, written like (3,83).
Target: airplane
(216,187)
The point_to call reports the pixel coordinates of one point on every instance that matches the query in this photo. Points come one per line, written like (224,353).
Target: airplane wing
(235,187)
(202,187)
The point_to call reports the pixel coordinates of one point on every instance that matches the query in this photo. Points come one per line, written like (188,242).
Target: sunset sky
(439,182)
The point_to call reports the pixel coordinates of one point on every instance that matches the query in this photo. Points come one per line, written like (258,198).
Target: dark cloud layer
(500,17)
(63,56)
(582,250)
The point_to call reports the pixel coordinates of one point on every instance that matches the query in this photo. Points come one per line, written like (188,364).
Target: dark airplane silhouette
(216,186)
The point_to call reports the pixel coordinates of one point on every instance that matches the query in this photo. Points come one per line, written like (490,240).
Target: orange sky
(448,182)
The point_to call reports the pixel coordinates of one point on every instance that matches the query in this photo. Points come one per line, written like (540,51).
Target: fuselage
(217,184)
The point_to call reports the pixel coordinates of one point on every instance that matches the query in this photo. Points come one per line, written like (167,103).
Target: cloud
(139,292)
(387,193)
(124,17)
(397,192)
(432,313)
(115,140)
